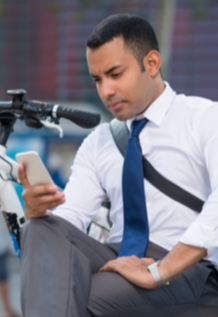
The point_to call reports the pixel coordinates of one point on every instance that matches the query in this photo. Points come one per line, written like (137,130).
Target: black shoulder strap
(120,134)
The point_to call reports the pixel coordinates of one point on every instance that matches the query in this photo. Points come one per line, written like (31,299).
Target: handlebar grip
(5,105)
(82,118)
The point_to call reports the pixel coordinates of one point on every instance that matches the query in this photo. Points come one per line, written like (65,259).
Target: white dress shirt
(181,142)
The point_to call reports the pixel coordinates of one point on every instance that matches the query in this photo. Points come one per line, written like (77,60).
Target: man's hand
(133,269)
(38,199)
(179,259)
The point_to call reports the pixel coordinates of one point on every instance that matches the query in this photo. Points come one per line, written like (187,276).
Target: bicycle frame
(10,205)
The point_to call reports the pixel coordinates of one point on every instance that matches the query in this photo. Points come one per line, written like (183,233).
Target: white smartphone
(36,171)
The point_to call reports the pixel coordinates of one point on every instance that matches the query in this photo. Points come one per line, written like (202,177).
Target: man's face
(123,88)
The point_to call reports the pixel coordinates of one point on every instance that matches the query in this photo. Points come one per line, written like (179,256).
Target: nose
(106,89)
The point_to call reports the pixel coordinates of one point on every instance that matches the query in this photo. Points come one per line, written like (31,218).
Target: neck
(159,86)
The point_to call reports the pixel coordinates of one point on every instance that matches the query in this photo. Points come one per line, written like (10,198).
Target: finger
(147,261)
(46,199)
(42,203)
(42,210)
(33,195)
(57,203)
(108,269)
(113,265)
(130,260)
(22,176)
(44,189)
(135,259)
(107,266)
(52,205)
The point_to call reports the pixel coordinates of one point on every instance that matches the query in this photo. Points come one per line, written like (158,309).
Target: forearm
(179,259)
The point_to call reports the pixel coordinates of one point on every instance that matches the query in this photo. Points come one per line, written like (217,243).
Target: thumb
(22,176)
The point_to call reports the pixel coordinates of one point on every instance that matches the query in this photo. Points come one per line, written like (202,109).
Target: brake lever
(52,125)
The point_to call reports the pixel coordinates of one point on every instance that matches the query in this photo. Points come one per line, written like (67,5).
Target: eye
(116,75)
(95,80)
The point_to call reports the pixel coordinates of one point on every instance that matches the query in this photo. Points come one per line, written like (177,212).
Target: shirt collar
(157,110)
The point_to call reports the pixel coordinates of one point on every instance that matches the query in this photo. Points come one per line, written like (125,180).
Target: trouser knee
(38,231)
(31,228)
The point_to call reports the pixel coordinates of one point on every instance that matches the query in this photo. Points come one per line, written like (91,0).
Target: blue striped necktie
(136,230)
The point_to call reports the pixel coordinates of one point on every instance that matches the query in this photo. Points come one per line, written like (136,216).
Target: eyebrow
(107,71)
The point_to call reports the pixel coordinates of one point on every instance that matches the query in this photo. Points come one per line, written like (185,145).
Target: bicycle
(36,114)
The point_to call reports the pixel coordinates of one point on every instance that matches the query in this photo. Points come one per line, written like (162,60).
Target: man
(66,273)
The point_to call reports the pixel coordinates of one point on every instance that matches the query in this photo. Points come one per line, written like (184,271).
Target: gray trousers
(60,278)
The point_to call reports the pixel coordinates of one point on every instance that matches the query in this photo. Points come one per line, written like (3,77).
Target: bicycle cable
(12,179)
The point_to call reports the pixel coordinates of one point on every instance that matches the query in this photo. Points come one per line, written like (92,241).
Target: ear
(152,63)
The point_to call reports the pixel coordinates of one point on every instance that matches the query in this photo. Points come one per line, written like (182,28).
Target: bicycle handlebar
(41,110)
(82,118)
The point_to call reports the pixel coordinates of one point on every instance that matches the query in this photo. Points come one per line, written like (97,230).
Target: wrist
(48,213)
(153,269)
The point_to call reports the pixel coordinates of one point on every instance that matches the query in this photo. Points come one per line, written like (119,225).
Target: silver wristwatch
(153,269)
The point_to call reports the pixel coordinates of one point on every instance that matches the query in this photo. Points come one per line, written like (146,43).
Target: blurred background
(42,49)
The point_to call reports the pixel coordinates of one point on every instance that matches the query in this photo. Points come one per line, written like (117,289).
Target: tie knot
(137,126)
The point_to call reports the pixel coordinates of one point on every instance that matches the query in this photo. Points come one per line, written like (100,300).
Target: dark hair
(137,33)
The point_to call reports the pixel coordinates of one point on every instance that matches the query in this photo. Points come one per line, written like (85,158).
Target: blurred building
(42,45)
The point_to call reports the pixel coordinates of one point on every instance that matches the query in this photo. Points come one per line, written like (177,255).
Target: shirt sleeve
(84,193)
(203,232)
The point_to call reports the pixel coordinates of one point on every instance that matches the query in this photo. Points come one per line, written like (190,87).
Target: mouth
(114,105)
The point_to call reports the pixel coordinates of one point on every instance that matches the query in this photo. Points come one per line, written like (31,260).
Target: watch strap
(153,269)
